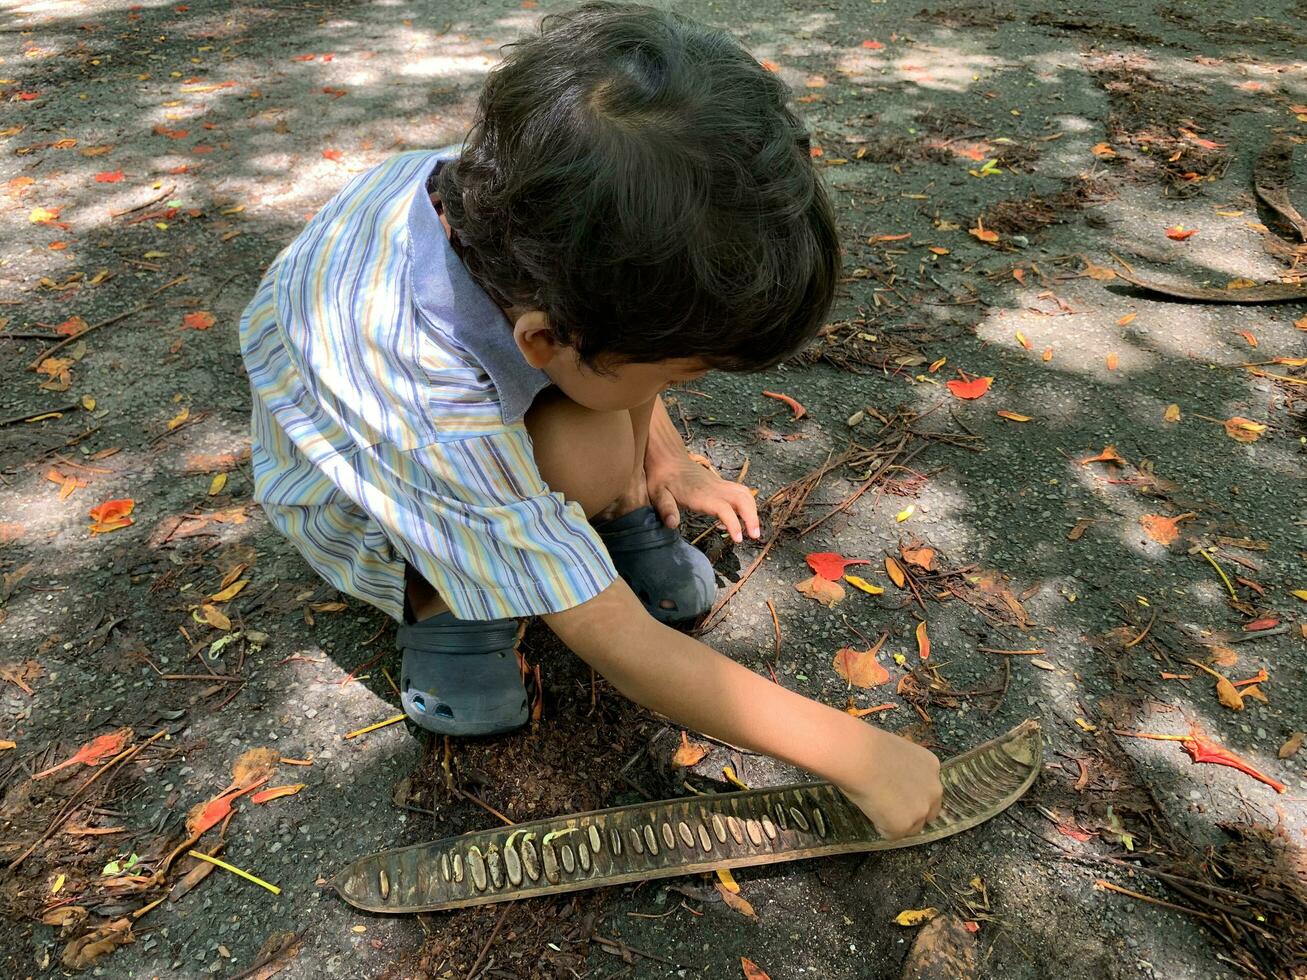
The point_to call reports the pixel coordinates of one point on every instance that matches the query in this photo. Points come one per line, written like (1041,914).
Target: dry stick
(809,483)
(1014,653)
(776,627)
(485,806)
(104,323)
(867,485)
(493,933)
(67,810)
(1138,639)
(36,415)
(1154,901)
(166,192)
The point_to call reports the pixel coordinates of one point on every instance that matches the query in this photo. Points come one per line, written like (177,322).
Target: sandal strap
(640,530)
(445,634)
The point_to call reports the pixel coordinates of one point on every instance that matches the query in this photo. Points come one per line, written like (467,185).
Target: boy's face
(617,388)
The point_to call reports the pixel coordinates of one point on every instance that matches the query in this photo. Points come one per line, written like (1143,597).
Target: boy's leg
(587,456)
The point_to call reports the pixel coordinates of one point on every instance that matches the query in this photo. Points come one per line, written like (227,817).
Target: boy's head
(638,180)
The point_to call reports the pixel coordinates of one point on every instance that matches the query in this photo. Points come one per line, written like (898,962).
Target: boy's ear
(535,338)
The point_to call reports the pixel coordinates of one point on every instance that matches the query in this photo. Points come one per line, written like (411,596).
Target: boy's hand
(684,483)
(899,791)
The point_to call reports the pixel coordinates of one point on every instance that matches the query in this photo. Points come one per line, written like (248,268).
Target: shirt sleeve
(474,517)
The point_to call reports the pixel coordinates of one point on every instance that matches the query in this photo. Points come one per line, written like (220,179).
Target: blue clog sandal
(674,579)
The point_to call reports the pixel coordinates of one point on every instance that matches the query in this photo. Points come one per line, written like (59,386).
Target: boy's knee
(586,456)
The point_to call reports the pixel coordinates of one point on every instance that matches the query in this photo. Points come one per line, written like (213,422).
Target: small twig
(36,415)
(1014,653)
(162,195)
(466,794)
(50,352)
(493,933)
(1139,639)
(1219,571)
(67,810)
(1153,901)
(776,627)
(622,947)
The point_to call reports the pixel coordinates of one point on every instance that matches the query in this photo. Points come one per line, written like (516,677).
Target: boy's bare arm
(893,781)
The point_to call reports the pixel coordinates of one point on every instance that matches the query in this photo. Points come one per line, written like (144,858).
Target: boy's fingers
(730,521)
(665,505)
(748,509)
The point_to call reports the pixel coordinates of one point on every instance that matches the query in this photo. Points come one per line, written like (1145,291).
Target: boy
(456,368)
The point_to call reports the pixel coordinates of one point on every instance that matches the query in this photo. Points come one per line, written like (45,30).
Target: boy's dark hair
(639,177)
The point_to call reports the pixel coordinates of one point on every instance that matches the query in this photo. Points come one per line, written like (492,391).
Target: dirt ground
(155,157)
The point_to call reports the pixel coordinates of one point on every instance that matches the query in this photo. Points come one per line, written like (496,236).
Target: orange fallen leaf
(876,46)
(111,515)
(1248,336)
(983,233)
(923,558)
(798,410)
(1264,623)
(825,591)
(860,667)
(1047,355)
(172,134)
(923,641)
(689,753)
(1108,455)
(276,792)
(1172,413)
(1179,232)
(93,752)
(1100,272)
(888,238)
(198,320)
(1126,320)
(1113,362)
(895,572)
(1300,323)
(179,418)
(1161,529)
(215,617)
(1203,749)
(71,327)
(205,816)
(831,566)
(752,971)
(1241,429)
(1103,151)
(1197,140)
(969,389)
(333,155)
(109,177)
(1013,416)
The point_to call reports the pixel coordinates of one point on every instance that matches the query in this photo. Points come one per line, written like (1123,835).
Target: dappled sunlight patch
(934,67)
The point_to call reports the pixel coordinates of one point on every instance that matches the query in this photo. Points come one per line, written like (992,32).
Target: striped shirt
(388,398)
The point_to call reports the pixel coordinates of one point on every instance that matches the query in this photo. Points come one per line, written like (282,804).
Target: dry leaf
(1013,416)
(1172,413)
(923,641)
(1113,362)
(1161,529)
(895,572)
(230,592)
(1099,272)
(1078,532)
(863,585)
(737,902)
(1179,232)
(983,233)
(1291,745)
(915,917)
(1103,151)
(254,765)
(82,953)
(1228,694)
(751,969)
(1241,429)
(825,591)
(1047,355)
(215,617)
(860,667)
(690,753)
(1128,319)
(1108,455)
(923,558)
(179,418)
(217,484)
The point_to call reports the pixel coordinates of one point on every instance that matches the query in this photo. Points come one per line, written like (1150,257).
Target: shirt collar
(447,294)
